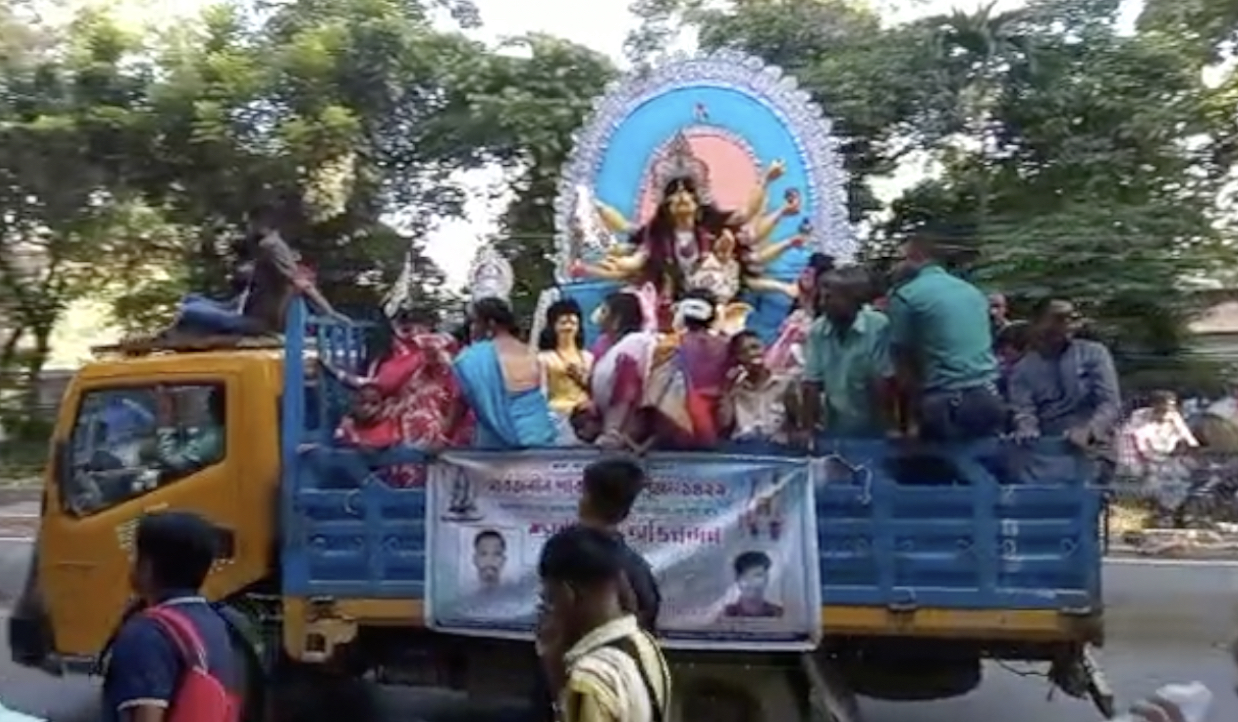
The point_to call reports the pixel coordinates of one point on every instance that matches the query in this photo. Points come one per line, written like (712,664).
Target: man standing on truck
(144,669)
(606,667)
(941,341)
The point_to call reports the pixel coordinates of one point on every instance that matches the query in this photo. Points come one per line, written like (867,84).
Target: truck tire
(707,692)
(315,693)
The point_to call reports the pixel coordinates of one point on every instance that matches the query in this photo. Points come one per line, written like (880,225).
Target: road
(1167,622)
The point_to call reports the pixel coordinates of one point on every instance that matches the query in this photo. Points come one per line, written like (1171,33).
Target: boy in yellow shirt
(606,668)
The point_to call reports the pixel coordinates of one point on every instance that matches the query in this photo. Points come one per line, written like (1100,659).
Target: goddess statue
(686,230)
(565,363)
(670,186)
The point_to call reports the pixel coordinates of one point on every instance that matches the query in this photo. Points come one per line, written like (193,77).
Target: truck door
(124,448)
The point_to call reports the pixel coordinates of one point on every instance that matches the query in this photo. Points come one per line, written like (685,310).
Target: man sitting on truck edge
(1063,386)
(173,553)
(610,489)
(606,667)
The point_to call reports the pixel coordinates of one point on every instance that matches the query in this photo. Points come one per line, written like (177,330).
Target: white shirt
(614,677)
(1159,437)
(761,409)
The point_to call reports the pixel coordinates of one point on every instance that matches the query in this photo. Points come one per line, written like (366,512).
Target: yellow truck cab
(100,480)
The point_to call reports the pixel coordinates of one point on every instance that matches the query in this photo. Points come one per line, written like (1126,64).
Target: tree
(1094,175)
(525,108)
(69,129)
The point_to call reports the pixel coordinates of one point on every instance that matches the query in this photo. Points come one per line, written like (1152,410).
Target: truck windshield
(129,440)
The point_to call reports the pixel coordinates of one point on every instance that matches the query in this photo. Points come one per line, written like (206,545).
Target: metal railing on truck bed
(887,537)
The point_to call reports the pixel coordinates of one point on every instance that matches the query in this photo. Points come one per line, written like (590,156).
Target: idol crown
(678,161)
(491,275)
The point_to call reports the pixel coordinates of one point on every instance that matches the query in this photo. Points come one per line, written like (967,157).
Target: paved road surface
(1167,623)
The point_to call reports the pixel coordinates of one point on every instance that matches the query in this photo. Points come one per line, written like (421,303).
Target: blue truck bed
(981,545)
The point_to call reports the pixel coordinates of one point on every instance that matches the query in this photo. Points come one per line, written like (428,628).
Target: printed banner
(732,540)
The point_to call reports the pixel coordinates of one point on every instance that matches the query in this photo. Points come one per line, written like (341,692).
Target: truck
(919,584)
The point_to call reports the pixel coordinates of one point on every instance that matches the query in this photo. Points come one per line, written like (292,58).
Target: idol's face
(567,324)
(681,199)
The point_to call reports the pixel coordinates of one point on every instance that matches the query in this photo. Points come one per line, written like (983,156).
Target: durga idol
(667,250)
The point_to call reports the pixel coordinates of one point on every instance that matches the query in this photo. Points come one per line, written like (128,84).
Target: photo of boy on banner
(752,576)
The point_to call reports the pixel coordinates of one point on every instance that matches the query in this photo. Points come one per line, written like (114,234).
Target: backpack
(199,695)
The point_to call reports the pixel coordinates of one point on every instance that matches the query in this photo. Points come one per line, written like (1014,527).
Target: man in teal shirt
(941,341)
(847,359)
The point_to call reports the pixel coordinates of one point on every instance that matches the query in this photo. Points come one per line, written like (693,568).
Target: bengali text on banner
(732,540)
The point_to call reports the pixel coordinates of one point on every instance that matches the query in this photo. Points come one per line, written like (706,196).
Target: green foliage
(1068,158)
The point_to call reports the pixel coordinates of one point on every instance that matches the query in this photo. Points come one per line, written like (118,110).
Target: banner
(732,541)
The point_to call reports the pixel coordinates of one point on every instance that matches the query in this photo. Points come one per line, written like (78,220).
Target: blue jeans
(967,414)
(199,313)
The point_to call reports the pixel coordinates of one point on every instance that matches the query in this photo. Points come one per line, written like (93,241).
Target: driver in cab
(190,431)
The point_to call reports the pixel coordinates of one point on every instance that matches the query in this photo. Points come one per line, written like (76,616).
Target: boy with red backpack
(172,661)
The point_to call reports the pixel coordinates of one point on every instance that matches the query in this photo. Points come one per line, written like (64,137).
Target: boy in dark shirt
(143,669)
(611,487)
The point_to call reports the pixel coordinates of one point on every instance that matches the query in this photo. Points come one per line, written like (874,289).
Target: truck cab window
(129,441)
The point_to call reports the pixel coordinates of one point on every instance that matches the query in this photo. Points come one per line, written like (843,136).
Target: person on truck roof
(143,667)
(278,275)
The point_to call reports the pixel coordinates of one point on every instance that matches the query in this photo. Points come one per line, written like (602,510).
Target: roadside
(1131,535)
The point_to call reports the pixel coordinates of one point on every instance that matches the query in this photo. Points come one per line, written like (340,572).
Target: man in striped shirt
(607,668)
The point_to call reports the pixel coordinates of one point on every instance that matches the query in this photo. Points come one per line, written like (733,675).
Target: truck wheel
(313,693)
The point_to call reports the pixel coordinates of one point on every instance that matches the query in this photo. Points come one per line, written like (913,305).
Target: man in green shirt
(847,360)
(941,341)
(185,448)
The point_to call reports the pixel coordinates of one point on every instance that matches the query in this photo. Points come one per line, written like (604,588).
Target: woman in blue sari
(501,382)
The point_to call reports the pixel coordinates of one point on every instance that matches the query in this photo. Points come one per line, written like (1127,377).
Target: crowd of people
(917,352)
(921,354)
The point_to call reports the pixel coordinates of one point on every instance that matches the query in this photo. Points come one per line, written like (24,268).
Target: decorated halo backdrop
(749,113)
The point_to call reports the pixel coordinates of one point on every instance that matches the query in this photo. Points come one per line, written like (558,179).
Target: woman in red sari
(418,387)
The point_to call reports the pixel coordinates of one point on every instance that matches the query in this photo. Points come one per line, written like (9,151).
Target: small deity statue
(721,273)
(671,247)
(565,363)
